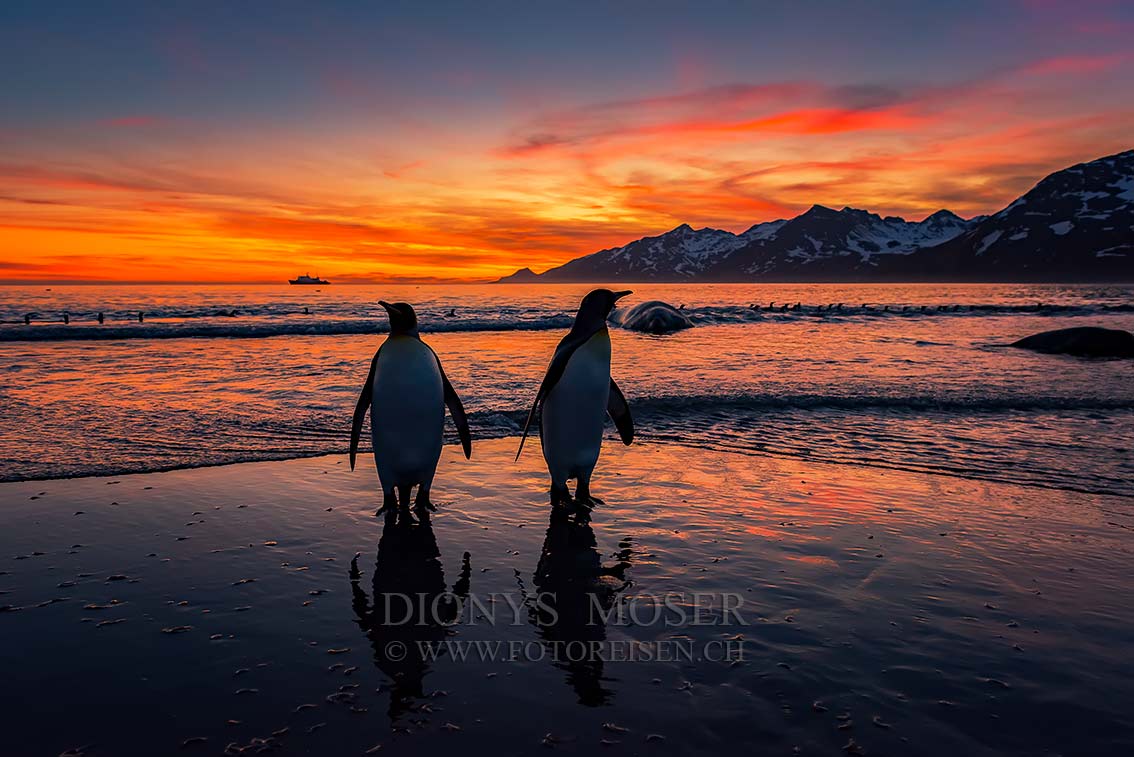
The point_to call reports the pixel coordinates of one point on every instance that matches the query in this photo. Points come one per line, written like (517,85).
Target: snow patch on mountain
(988,241)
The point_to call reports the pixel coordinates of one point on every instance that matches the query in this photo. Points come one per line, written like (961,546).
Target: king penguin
(574,399)
(406,393)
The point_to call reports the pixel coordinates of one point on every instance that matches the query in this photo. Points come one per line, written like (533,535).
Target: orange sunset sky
(369,142)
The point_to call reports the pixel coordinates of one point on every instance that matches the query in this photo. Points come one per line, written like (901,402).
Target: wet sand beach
(212,611)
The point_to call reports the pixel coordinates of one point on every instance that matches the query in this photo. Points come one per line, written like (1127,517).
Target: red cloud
(1074,64)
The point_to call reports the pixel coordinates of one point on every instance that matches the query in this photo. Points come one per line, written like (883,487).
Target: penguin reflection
(409,604)
(576,593)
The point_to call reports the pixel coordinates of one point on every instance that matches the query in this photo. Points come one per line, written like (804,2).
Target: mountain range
(1075,225)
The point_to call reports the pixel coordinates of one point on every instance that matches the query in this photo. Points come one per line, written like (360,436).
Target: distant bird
(771,304)
(681,306)
(452,313)
(27,318)
(141,317)
(306,311)
(576,395)
(101,318)
(66,317)
(798,306)
(406,393)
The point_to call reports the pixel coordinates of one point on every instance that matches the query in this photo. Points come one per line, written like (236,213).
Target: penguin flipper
(619,410)
(457,410)
(360,409)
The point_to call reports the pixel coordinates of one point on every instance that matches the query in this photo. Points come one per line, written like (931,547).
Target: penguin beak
(388,306)
(619,295)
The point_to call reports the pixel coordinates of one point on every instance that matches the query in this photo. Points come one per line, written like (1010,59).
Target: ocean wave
(184,324)
(260,329)
(792,311)
(710,403)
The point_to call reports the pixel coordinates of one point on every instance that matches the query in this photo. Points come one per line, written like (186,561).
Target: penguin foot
(588,501)
(561,498)
(389,505)
(424,505)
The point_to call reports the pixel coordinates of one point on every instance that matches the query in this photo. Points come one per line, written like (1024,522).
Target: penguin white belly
(407,413)
(574,412)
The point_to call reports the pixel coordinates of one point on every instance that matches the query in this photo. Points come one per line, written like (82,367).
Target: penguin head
(402,318)
(596,306)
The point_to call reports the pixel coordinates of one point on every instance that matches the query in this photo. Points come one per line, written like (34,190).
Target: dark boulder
(1084,341)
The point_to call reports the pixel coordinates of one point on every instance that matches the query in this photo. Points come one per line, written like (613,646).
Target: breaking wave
(182,324)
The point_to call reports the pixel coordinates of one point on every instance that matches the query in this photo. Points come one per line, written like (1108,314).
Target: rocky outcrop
(1084,341)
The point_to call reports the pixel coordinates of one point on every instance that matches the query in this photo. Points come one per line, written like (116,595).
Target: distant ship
(307,279)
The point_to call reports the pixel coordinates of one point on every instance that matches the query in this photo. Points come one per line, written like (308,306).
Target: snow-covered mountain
(1076,224)
(804,245)
(681,254)
(824,244)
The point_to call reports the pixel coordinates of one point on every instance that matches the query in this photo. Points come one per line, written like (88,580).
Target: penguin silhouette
(452,313)
(66,318)
(141,317)
(101,318)
(27,319)
(406,393)
(575,593)
(576,395)
(409,607)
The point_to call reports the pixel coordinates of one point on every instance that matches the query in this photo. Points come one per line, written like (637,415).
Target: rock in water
(653,317)
(1084,341)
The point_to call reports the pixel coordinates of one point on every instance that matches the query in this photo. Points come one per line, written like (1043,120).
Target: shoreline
(868,596)
(365,455)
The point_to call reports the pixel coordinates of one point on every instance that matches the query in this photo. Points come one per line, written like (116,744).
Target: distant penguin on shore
(452,313)
(574,399)
(27,319)
(406,393)
(141,317)
(101,317)
(66,317)
(306,311)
